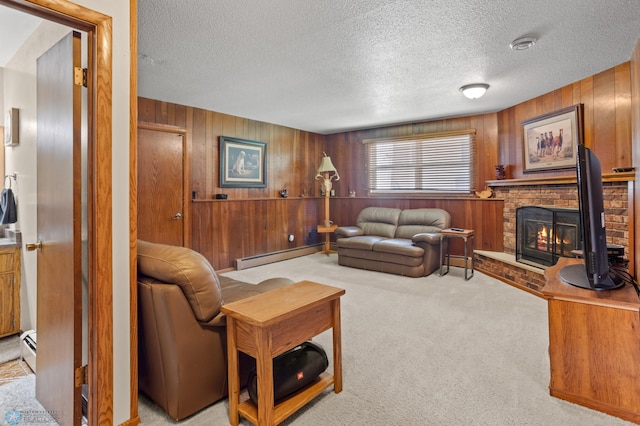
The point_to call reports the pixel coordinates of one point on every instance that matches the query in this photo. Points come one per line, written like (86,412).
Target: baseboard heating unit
(28,345)
(263,259)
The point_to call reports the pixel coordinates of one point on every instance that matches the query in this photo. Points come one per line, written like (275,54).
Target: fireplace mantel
(560,180)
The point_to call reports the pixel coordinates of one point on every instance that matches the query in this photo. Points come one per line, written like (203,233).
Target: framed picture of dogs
(550,141)
(243,163)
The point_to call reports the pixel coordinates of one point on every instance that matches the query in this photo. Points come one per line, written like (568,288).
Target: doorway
(163,185)
(99,239)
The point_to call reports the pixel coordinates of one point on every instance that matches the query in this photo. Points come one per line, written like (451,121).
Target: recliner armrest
(427,237)
(349,231)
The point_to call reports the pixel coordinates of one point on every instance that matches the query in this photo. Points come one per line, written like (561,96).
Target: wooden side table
(468,235)
(267,325)
(327,230)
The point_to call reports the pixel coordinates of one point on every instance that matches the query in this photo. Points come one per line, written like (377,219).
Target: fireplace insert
(543,234)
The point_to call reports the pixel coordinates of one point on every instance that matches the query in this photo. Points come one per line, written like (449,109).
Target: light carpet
(424,351)
(18,404)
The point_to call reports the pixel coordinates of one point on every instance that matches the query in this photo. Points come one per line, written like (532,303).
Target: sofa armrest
(430,242)
(427,237)
(349,231)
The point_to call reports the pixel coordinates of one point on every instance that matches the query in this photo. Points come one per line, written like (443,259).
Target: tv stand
(594,345)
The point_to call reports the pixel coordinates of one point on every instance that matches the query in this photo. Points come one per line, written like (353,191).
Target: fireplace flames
(545,238)
(545,233)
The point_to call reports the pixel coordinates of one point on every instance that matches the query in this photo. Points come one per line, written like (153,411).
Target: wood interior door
(162,216)
(59,254)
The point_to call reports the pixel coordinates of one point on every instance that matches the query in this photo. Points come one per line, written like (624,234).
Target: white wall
(19,92)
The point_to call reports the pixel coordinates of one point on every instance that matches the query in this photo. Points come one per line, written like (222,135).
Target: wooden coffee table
(267,325)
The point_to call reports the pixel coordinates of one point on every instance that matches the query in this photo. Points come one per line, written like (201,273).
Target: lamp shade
(474,91)
(326,165)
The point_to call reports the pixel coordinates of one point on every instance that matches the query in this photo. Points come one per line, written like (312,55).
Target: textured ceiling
(329,66)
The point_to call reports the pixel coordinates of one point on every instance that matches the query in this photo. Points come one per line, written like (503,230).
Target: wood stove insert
(544,234)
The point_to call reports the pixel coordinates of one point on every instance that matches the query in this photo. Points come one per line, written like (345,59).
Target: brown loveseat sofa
(403,242)
(182,333)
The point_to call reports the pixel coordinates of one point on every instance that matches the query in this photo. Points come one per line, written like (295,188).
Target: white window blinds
(432,163)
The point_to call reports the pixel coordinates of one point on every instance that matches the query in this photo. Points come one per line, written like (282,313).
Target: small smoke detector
(523,43)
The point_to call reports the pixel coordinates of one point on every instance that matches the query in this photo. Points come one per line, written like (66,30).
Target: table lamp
(325,172)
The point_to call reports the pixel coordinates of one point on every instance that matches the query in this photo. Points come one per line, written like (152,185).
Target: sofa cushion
(383,266)
(375,259)
(416,221)
(380,221)
(361,242)
(398,246)
(186,268)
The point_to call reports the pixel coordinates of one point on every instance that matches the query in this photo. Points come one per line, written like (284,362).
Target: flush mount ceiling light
(474,91)
(523,43)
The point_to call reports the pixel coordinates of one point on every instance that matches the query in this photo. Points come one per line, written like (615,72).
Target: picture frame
(550,141)
(243,163)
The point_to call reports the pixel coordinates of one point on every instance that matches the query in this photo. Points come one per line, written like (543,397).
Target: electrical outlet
(291,237)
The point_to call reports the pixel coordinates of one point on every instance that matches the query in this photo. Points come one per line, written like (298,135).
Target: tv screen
(594,274)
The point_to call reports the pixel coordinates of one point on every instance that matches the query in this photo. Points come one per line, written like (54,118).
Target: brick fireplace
(616,205)
(516,194)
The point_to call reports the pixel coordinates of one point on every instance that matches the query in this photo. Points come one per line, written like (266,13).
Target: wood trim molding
(560,180)
(99,29)
(133,212)
(433,135)
(101,394)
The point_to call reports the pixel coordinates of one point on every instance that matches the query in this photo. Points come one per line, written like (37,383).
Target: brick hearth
(504,267)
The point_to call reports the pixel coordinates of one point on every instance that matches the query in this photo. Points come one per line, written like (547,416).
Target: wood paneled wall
(607,120)
(226,230)
(293,155)
(484,216)
(347,150)
(255,221)
(252,221)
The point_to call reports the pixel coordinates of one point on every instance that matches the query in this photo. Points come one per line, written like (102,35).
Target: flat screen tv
(594,273)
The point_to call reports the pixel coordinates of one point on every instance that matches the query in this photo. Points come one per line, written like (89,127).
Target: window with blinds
(432,163)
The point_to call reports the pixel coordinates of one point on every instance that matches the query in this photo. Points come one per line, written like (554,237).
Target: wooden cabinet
(594,346)
(9,290)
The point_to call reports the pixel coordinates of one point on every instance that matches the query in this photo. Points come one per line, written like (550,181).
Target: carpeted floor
(18,404)
(426,351)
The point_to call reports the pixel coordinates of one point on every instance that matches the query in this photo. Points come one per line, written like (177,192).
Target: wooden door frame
(186,173)
(100,294)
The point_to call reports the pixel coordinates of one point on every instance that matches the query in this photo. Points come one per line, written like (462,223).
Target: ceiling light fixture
(474,91)
(523,43)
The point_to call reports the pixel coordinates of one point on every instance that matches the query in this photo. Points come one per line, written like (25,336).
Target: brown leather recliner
(182,349)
